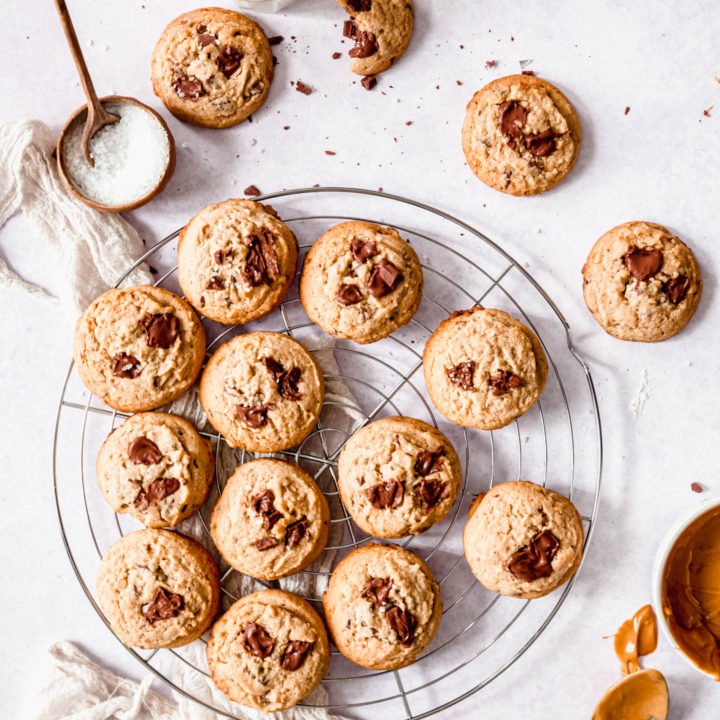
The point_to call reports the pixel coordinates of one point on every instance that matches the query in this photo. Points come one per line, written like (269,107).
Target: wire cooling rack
(558,443)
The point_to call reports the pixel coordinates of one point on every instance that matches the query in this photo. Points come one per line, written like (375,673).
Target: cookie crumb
(627,109)
(300,86)
(706,113)
(251,191)
(696,487)
(276,39)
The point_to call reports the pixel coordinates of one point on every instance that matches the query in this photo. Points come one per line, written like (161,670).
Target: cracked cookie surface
(361,281)
(382,606)
(483,368)
(138,348)
(641,282)
(398,476)
(268,651)
(158,588)
(521,135)
(523,540)
(212,67)
(236,261)
(263,391)
(156,467)
(271,519)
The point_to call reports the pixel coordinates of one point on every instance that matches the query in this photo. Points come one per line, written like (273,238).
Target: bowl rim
(125,207)
(663,552)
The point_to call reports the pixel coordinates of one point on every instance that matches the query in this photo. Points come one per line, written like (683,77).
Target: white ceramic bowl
(666,546)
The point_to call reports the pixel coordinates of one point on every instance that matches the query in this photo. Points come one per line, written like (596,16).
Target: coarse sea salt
(130,156)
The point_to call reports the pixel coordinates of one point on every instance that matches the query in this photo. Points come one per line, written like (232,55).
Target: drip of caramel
(642,695)
(636,637)
(691,592)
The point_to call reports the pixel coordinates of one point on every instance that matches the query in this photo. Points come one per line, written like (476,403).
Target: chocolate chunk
(228,60)
(384,278)
(386,495)
(253,417)
(363,250)
(295,653)
(676,288)
(369,82)
(360,5)
(261,263)
(145,451)
(264,504)
(430,492)
(428,462)
(141,502)
(286,380)
(462,374)
(543,144)
(275,368)
(161,330)
(275,39)
(126,366)
(161,488)
(295,532)
(202,28)
(696,487)
(365,45)
(529,72)
(257,642)
(533,561)
(643,264)
(251,191)
(190,87)
(504,381)
(205,39)
(349,29)
(376,590)
(219,257)
(349,295)
(300,86)
(512,117)
(215,283)
(403,623)
(266,543)
(164,605)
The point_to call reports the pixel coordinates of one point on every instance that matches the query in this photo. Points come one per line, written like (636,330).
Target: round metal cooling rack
(558,443)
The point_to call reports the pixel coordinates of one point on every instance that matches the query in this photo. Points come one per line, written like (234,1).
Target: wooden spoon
(98,117)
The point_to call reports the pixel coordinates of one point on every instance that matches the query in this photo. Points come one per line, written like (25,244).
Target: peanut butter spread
(642,695)
(635,637)
(691,592)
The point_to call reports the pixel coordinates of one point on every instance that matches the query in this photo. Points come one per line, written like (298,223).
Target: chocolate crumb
(458,82)
(300,86)
(490,64)
(251,191)
(706,113)
(529,72)
(696,487)
(336,55)
(329,152)
(369,82)
(276,39)
(627,109)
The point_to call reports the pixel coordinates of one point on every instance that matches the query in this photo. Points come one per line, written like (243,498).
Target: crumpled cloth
(93,248)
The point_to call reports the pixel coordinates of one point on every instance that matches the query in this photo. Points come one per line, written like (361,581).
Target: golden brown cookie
(156,467)
(483,368)
(521,135)
(398,476)
(382,606)
(523,540)
(263,391)
(236,261)
(268,651)
(158,589)
(361,281)
(138,348)
(212,67)
(641,282)
(271,519)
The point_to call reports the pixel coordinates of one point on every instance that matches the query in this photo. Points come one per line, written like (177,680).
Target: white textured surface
(659,162)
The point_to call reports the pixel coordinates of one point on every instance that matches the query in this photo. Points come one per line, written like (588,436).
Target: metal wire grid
(325,459)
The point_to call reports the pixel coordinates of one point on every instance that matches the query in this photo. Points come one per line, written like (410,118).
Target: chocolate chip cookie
(641,282)
(521,135)
(138,348)
(398,476)
(212,67)
(361,281)
(236,261)
(381,31)
(158,589)
(523,540)
(268,651)
(156,467)
(263,391)
(484,368)
(382,606)
(271,519)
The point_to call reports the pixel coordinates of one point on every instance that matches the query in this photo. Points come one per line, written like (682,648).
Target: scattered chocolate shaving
(228,60)
(251,191)
(253,417)
(295,532)
(403,623)
(504,381)
(643,263)
(533,561)
(376,590)
(215,283)
(676,288)
(265,543)
(384,278)
(275,39)
(144,451)
(696,487)
(349,295)
(365,45)
(363,250)
(161,330)
(160,488)
(428,462)
(430,492)
(190,87)
(126,366)
(386,495)
(512,117)
(257,642)
(462,374)
(300,86)
(164,605)
(369,82)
